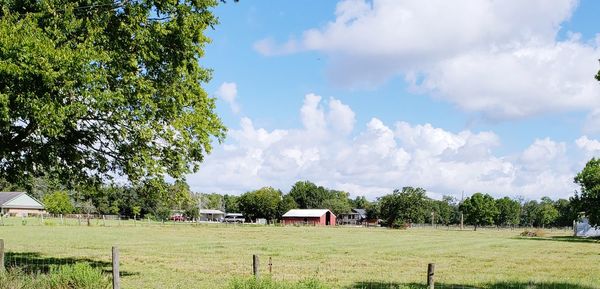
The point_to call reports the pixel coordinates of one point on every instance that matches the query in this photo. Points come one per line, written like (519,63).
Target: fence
(187,249)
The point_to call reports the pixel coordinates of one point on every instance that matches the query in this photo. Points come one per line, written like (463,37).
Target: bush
(268,283)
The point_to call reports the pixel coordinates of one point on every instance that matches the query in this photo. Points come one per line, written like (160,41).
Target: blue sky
(367,96)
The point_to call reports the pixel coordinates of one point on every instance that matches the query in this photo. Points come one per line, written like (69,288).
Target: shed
(19,204)
(211,215)
(315,217)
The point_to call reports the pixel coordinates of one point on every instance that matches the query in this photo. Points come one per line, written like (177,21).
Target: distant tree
(547,213)
(308,195)
(589,199)
(58,203)
(445,210)
(529,213)
(337,205)
(360,202)
(598,75)
(373,211)
(407,206)
(567,213)
(262,203)
(479,210)
(231,203)
(136,210)
(287,203)
(509,212)
(212,201)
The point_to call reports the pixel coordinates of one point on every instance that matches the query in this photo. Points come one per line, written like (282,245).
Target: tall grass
(268,283)
(76,276)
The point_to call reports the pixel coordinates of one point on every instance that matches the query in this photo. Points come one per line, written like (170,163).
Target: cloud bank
(501,59)
(374,158)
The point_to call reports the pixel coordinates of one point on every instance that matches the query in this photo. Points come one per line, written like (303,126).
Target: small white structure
(19,204)
(208,215)
(584,229)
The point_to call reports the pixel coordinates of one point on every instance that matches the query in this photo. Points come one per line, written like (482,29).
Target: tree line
(158,199)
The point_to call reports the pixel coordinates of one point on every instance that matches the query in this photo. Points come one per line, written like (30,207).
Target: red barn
(315,217)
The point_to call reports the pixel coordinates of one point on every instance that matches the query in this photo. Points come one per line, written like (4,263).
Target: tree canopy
(409,205)
(589,181)
(93,89)
(479,210)
(58,203)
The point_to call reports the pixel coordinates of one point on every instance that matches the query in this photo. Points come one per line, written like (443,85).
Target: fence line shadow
(34,262)
(499,285)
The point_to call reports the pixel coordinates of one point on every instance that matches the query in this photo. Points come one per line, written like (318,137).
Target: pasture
(210,256)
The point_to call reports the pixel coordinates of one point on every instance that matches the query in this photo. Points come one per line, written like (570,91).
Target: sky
(369,96)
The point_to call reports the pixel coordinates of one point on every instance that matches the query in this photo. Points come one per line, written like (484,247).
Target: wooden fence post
(255,266)
(461,221)
(115,268)
(1,255)
(270,265)
(430,275)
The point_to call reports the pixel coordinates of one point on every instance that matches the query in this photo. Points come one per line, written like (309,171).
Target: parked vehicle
(233,218)
(178,218)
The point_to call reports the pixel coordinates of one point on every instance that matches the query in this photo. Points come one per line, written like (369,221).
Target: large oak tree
(95,88)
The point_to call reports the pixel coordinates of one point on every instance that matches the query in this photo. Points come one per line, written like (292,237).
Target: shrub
(80,275)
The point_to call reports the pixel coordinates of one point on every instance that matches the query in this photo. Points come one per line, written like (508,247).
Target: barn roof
(6,197)
(303,213)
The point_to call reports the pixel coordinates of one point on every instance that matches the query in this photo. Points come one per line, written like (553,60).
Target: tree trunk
(475,227)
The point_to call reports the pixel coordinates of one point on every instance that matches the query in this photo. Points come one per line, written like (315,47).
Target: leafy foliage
(406,206)
(479,210)
(262,203)
(307,195)
(93,89)
(589,181)
(509,212)
(58,203)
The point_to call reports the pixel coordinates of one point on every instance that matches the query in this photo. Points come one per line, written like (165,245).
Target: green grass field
(210,256)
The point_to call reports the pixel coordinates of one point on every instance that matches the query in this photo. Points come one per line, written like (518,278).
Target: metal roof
(6,197)
(211,212)
(302,213)
(361,212)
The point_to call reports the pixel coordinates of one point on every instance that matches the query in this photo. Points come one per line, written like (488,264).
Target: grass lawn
(209,256)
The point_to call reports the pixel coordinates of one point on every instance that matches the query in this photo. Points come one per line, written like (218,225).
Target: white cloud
(380,157)
(498,58)
(228,92)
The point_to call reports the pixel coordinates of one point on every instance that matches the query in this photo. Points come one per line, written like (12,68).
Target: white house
(19,204)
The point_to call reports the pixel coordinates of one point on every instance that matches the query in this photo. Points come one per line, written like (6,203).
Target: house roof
(6,197)
(361,212)
(305,213)
(19,200)
(211,212)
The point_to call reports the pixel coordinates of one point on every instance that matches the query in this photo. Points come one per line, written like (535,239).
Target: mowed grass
(210,256)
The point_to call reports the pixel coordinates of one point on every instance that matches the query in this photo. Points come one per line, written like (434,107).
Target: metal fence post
(255,266)
(115,268)
(430,275)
